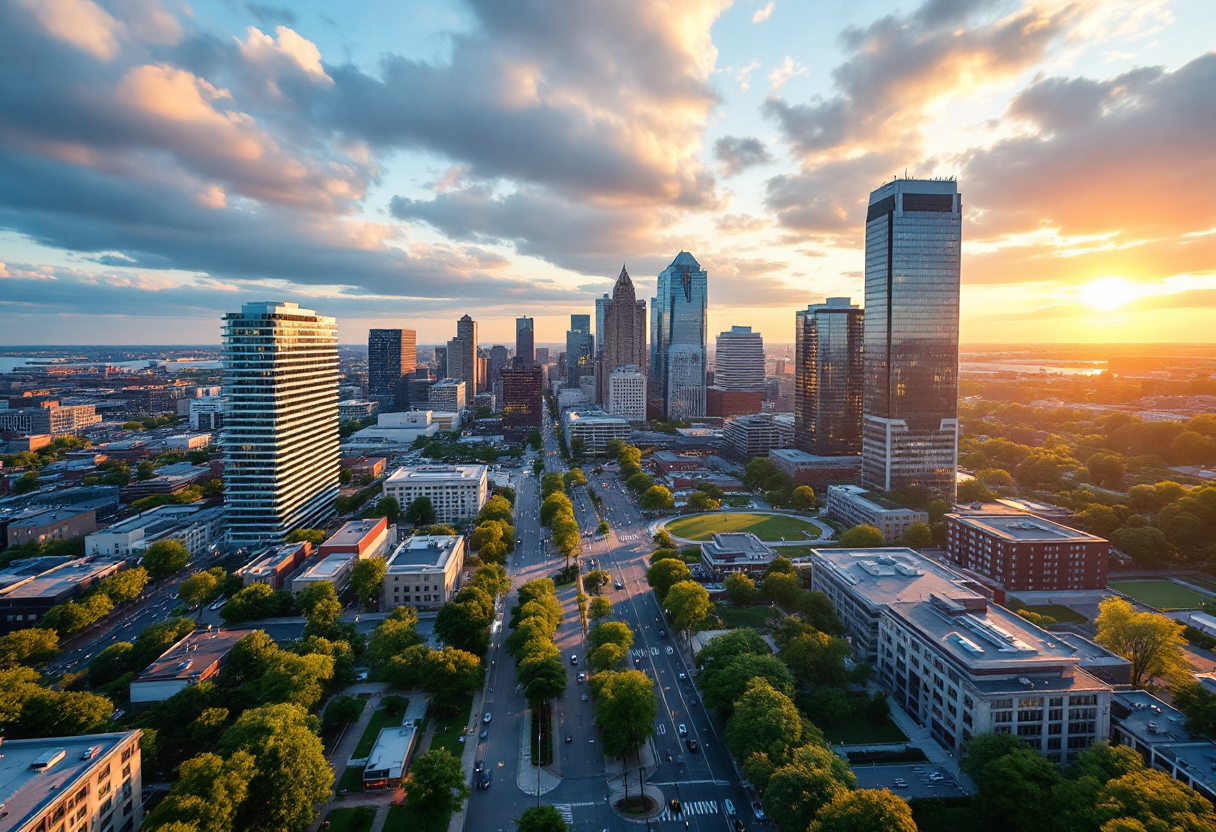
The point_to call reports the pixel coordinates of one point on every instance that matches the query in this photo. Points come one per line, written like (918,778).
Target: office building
(580,349)
(396,429)
(49,418)
(601,303)
(418,389)
(910,391)
(362,538)
(280,434)
(522,396)
(957,663)
(1024,553)
(441,360)
(748,437)
(627,393)
(455,362)
(197,528)
(466,334)
(736,552)
(816,471)
(857,506)
(677,341)
(392,354)
(423,572)
(542,355)
(206,413)
(275,565)
(621,332)
(197,657)
(739,360)
(24,603)
(457,492)
(357,409)
(726,404)
(334,570)
(591,429)
(45,525)
(828,378)
(1158,732)
(90,781)
(525,341)
(449,395)
(187,442)
(499,359)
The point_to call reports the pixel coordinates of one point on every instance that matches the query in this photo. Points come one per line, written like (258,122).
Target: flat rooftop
(19,570)
(326,568)
(388,754)
(423,474)
(672,456)
(802,457)
(876,501)
(191,656)
(737,543)
(25,792)
(422,552)
(268,563)
(352,533)
(161,517)
(1145,708)
(34,519)
(1025,528)
(61,579)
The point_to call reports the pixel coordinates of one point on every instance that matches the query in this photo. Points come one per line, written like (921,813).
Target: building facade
(828,378)
(621,333)
(423,571)
(525,341)
(755,435)
(739,360)
(593,429)
(198,529)
(392,354)
(450,395)
(580,349)
(457,492)
(522,396)
(49,418)
(730,403)
(856,506)
(1024,553)
(280,436)
(627,393)
(677,343)
(466,334)
(736,552)
(957,663)
(816,471)
(910,399)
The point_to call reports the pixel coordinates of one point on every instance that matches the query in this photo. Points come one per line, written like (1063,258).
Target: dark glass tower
(828,378)
(392,354)
(677,340)
(910,423)
(525,341)
(580,348)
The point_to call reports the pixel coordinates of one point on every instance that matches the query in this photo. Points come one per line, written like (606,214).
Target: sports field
(1164,595)
(770,527)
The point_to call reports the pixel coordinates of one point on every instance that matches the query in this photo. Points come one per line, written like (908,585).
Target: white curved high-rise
(280,436)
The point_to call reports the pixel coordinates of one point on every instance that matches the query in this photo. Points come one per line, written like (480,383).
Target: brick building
(1025,553)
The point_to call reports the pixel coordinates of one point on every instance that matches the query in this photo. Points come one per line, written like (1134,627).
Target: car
(619,585)
(569,737)
(637,660)
(692,745)
(574,658)
(683,676)
(757,810)
(683,729)
(479,766)
(730,807)
(584,697)
(487,717)
(671,651)
(483,782)
(663,634)
(361,676)
(485,733)
(738,826)
(582,677)
(901,785)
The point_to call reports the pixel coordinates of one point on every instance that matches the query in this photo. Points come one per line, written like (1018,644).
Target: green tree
(765,721)
(436,784)
(421,512)
(974,491)
(27,483)
(314,536)
(164,558)
(740,588)
(724,683)
(343,709)
(1107,470)
(803,498)
(865,810)
(255,602)
(1151,642)
(782,589)
(575,478)
(464,622)
(386,507)
(367,579)
(542,818)
(543,677)
(1156,801)
(1146,545)
(566,537)
(797,791)
(145,471)
(687,602)
(496,508)
(318,600)
(625,710)
(861,537)
(555,505)
(700,501)
(488,540)
(595,580)
(197,590)
(606,657)
(206,796)
(449,675)
(723,648)
(918,536)
(611,632)
(31,646)
(817,658)
(656,498)
(665,574)
(600,608)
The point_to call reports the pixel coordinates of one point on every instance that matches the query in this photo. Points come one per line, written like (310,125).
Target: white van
(730,808)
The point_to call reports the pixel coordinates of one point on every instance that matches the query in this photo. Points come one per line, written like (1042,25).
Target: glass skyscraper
(910,422)
(280,435)
(828,378)
(677,340)
(525,341)
(580,349)
(392,354)
(739,360)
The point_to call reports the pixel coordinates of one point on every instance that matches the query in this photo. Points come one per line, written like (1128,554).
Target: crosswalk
(566,811)
(690,808)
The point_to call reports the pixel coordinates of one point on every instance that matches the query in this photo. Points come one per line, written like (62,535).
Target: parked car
(758,810)
(683,729)
(484,781)
(487,717)
(569,738)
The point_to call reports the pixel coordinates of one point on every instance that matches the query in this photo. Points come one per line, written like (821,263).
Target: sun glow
(1109,293)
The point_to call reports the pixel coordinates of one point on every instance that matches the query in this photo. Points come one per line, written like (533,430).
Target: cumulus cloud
(81,23)
(744,75)
(763,14)
(789,68)
(738,153)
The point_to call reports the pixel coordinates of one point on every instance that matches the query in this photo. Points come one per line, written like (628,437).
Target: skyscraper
(521,396)
(466,332)
(910,409)
(601,304)
(677,340)
(280,436)
(525,341)
(580,348)
(828,378)
(455,363)
(622,333)
(739,360)
(392,354)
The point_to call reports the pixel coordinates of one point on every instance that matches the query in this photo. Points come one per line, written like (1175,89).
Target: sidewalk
(921,738)
(467,758)
(532,780)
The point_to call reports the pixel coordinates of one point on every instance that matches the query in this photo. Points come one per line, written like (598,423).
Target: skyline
(403,165)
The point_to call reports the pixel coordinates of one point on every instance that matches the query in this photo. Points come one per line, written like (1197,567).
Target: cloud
(788,69)
(270,13)
(738,153)
(744,75)
(287,50)
(763,14)
(81,23)
(740,224)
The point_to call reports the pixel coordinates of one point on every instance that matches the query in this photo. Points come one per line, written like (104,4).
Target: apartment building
(422,572)
(456,491)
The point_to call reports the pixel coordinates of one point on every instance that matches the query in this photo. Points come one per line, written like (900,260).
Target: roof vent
(48,759)
(185,665)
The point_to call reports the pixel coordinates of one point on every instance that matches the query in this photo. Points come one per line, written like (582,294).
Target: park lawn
(737,617)
(380,719)
(771,527)
(738,502)
(407,819)
(449,729)
(861,730)
(1164,595)
(351,819)
(352,779)
(792,552)
(1059,612)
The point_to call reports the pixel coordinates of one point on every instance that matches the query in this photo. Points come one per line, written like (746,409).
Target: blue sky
(404,163)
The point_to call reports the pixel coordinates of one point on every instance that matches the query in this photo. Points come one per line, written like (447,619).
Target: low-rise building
(448,395)
(169,479)
(188,441)
(594,429)
(362,538)
(24,603)
(748,437)
(14,572)
(397,428)
(668,462)
(957,663)
(816,471)
(1025,553)
(736,552)
(1158,732)
(90,782)
(275,565)
(858,506)
(390,757)
(355,409)
(206,413)
(47,524)
(197,657)
(334,569)
(457,492)
(197,528)
(364,466)
(423,571)
(50,418)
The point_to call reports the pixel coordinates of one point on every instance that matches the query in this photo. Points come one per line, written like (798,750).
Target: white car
(683,729)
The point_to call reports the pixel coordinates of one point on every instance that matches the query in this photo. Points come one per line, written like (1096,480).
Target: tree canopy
(1151,642)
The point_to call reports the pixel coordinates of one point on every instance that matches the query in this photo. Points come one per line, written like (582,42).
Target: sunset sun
(1109,293)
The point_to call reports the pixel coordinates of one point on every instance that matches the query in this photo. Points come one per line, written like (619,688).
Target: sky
(403,163)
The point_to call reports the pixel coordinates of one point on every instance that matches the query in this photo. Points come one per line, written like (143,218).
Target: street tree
(392,636)
(656,498)
(544,818)
(611,632)
(765,721)
(865,810)
(367,579)
(543,677)
(497,508)
(449,675)
(436,784)
(796,793)
(198,589)
(464,622)
(386,507)
(665,574)
(600,608)
(740,588)
(607,656)
(1151,642)
(206,796)
(688,604)
(567,537)
(723,683)
(165,557)
(803,498)
(782,589)
(625,710)
(596,580)
(723,648)
(575,478)
(420,512)
(126,585)
(342,710)
(861,537)
(555,505)
(31,646)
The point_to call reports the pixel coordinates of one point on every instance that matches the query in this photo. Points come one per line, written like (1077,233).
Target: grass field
(1059,612)
(792,552)
(736,617)
(1164,595)
(352,819)
(380,719)
(449,729)
(860,730)
(1203,584)
(764,526)
(406,819)
(352,779)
